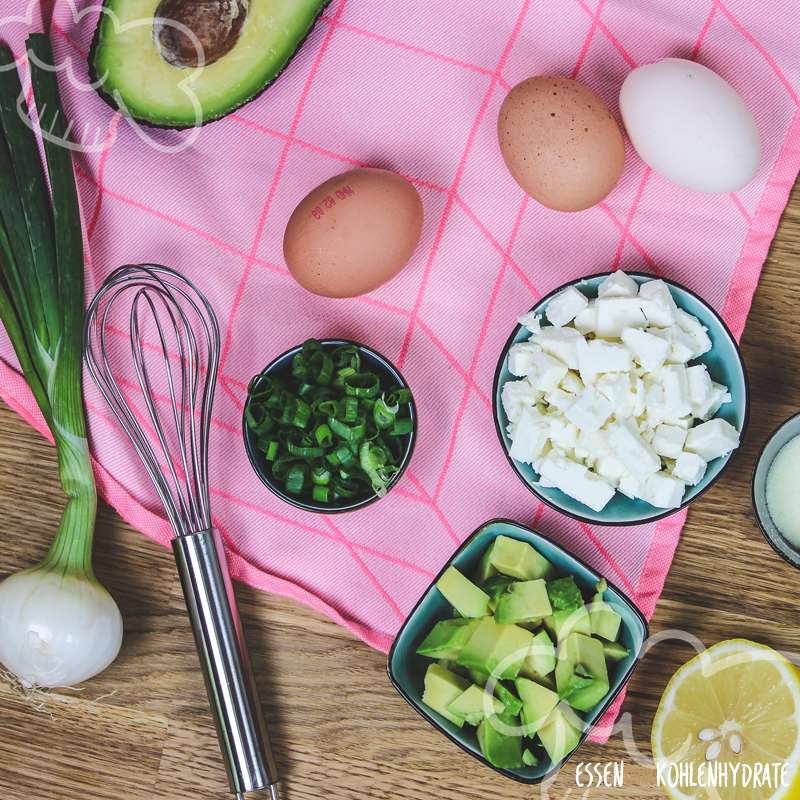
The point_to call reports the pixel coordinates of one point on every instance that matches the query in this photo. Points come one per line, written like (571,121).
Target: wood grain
(340,730)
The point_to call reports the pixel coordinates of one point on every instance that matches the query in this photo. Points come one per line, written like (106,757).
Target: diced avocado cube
(485,569)
(605,621)
(564,594)
(581,673)
(442,687)
(499,748)
(532,624)
(463,594)
(519,560)
(537,703)
(495,587)
(548,681)
(541,658)
(614,651)
(447,638)
(478,676)
(562,623)
(588,652)
(523,601)
(560,734)
(529,759)
(471,705)
(511,703)
(510,652)
(492,645)
(477,652)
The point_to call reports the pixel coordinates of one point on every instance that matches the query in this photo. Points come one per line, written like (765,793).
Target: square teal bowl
(407,669)
(725,365)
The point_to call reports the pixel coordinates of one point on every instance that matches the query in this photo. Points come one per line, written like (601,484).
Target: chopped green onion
(362,384)
(384,414)
(402,426)
(321,494)
(329,430)
(324,435)
(295,479)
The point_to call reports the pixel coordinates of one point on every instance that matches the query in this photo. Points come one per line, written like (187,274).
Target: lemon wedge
(728,726)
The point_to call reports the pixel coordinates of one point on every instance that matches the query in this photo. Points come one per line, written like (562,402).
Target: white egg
(690,126)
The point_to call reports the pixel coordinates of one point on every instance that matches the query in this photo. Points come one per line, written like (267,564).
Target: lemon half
(736,703)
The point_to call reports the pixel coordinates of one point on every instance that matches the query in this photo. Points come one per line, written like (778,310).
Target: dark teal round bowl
(725,365)
(389,374)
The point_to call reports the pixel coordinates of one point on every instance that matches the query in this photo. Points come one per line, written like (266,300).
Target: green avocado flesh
(134,77)
(442,687)
(447,638)
(522,656)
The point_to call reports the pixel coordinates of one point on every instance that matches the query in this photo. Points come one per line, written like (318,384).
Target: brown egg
(560,142)
(353,233)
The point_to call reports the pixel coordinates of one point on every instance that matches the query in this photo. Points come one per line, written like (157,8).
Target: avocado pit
(196,33)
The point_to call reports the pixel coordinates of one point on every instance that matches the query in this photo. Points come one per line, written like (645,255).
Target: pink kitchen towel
(415,88)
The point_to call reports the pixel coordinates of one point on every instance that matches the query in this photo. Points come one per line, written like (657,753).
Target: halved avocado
(131,66)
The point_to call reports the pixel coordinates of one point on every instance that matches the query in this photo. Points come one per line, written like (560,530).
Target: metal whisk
(171,362)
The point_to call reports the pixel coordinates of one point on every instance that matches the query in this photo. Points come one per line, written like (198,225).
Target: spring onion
(58,625)
(329,429)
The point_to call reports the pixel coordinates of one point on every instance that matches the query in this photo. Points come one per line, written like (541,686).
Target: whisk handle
(226,667)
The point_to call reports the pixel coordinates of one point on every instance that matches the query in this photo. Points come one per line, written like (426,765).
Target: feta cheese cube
(614,314)
(532,321)
(712,439)
(611,469)
(700,387)
(676,391)
(595,443)
(576,481)
(562,432)
(640,396)
(720,396)
(564,306)
(559,342)
(546,371)
(649,350)
(618,284)
(695,330)
(521,358)
(617,388)
(663,490)
(598,356)
(681,347)
(590,411)
(655,407)
(586,321)
(629,486)
(572,383)
(657,303)
(559,399)
(668,440)
(529,436)
(689,468)
(516,396)
(628,446)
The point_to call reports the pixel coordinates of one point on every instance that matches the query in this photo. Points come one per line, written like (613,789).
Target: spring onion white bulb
(58,628)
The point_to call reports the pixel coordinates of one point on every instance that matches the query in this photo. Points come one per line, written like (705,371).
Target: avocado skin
(109,100)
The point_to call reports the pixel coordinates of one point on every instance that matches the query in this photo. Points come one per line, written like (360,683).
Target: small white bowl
(786,432)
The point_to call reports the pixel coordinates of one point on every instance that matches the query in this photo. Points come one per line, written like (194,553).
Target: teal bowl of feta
(620,398)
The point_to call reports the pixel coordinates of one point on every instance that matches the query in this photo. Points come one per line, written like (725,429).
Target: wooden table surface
(340,729)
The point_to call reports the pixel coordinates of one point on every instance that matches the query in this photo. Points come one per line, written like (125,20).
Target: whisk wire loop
(175,374)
